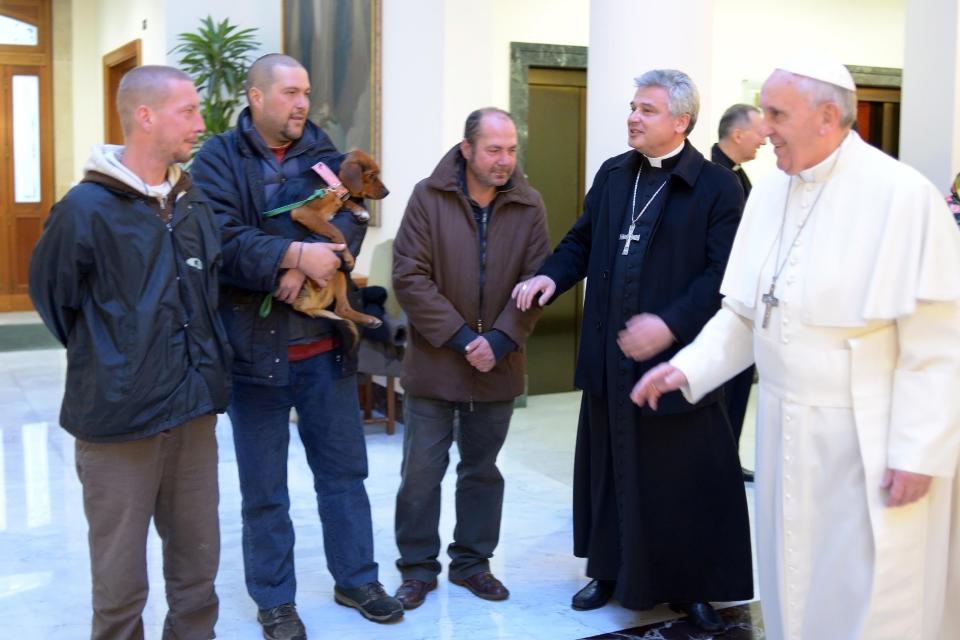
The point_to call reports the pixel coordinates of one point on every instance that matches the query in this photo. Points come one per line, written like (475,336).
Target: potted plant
(217,57)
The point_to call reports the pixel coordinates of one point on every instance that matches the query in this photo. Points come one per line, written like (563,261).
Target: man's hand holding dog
(317,260)
(479,354)
(289,287)
(526,291)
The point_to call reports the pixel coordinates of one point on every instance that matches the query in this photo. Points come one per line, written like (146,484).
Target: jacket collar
(687,168)
(447,176)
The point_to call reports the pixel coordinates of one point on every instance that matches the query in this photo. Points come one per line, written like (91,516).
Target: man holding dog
(659,509)
(471,231)
(285,359)
(125,275)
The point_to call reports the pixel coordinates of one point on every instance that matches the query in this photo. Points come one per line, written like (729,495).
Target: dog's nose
(386,192)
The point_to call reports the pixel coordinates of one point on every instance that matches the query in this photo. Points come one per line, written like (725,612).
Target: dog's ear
(351,174)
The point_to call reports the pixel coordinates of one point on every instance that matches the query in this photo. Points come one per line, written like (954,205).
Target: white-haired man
(843,287)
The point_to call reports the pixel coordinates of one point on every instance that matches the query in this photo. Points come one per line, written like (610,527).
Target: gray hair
(683,96)
(735,117)
(819,92)
(145,85)
(471,128)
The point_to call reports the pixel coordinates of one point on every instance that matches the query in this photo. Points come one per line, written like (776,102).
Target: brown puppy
(360,175)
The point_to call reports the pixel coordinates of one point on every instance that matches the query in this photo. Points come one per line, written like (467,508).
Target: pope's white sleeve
(723,349)
(925,407)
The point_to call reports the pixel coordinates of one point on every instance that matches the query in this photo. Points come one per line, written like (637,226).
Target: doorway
(115,66)
(551,120)
(26,132)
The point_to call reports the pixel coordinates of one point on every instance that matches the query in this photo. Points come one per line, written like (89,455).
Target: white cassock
(859,371)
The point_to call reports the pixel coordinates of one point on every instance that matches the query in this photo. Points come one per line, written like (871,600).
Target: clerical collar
(821,171)
(658,161)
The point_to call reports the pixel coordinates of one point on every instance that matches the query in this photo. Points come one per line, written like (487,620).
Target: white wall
(467,47)
(185,15)
(751,36)
(930,112)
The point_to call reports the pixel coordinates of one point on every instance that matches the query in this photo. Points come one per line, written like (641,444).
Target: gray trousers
(481,428)
(170,478)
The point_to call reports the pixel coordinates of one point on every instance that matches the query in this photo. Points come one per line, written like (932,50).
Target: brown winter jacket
(436,277)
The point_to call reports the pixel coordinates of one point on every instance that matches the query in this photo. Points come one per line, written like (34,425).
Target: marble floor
(44,572)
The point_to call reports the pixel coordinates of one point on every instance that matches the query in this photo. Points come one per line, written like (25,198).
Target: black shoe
(594,595)
(281,623)
(371,601)
(747,474)
(701,615)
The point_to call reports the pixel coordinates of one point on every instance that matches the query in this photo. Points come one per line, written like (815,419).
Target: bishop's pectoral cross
(629,237)
(769,301)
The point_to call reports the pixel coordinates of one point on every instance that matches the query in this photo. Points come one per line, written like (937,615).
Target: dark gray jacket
(134,301)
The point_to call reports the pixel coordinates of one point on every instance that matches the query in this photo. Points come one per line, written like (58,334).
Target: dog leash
(319,193)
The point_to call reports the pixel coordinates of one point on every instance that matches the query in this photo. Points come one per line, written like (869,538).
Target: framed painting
(338,41)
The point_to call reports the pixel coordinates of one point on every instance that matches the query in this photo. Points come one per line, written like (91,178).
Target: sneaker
(371,601)
(282,623)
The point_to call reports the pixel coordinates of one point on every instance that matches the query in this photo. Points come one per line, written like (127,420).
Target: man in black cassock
(739,137)
(659,508)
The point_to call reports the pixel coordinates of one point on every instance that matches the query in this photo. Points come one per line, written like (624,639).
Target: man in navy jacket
(285,359)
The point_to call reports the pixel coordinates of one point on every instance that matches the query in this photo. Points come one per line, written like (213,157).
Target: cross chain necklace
(769,299)
(629,236)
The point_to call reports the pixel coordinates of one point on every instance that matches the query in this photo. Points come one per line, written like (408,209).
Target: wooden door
(26,133)
(115,66)
(555,160)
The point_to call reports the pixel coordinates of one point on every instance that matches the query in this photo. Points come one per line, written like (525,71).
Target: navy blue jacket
(683,267)
(134,301)
(228,168)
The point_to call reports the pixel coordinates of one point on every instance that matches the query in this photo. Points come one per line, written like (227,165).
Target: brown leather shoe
(412,593)
(484,585)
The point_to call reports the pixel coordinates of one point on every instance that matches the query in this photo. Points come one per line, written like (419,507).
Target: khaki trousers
(171,478)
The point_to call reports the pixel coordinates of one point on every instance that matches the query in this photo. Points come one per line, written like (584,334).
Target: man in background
(739,138)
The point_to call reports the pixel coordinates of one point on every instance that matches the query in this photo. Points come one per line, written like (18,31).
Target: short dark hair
(260,74)
(146,85)
(471,129)
(735,117)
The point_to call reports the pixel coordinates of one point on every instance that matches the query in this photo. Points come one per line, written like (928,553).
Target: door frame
(524,55)
(130,52)
(26,60)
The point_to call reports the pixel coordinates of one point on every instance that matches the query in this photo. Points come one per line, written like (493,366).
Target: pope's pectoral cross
(629,237)
(769,301)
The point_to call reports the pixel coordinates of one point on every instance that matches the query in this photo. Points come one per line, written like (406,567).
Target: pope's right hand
(662,379)
(319,261)
(526,291)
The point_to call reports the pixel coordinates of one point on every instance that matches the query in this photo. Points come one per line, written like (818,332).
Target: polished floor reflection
(44,572)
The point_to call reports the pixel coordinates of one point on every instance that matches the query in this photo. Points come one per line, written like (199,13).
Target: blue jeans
(332,434)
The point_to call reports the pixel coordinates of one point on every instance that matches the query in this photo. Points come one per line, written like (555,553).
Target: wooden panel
(21,223)
(35,12)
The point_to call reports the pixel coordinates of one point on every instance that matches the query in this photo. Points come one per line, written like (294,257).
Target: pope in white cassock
(843,287)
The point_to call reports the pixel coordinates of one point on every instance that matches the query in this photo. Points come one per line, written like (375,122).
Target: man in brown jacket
(471,231)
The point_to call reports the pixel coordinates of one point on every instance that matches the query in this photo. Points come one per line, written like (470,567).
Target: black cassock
(659,504)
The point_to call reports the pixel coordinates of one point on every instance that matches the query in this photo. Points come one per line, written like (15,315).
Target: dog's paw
(362,215)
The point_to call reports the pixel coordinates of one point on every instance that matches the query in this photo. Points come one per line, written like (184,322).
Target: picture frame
(338,42)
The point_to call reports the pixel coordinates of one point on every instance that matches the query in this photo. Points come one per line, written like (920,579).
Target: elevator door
(555,155)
